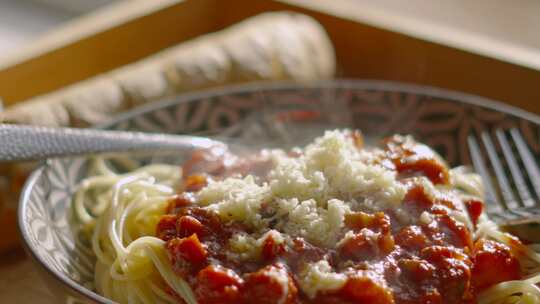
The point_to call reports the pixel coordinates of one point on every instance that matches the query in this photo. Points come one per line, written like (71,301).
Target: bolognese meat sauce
(380,259)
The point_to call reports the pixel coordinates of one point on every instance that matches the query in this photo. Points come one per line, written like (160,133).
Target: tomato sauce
(384,260)
(410,157)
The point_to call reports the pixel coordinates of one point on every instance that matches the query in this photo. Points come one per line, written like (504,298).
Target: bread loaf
(271,46)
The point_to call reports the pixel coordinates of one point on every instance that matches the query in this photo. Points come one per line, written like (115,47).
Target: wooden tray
(369,44)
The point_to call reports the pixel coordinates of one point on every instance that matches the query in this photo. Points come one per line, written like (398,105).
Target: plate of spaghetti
(347,192)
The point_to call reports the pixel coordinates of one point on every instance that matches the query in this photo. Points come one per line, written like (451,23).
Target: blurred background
(23,20)
(78,63)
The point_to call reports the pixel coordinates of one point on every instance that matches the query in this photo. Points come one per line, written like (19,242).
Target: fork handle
(20,142)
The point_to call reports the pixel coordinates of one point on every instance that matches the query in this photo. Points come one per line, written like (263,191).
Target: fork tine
(519,181)
(528,159)
(502,179)
(492,200)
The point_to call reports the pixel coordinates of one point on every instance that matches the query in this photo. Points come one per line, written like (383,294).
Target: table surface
(20,282)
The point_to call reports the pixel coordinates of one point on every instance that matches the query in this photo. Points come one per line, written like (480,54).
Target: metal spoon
(20,142)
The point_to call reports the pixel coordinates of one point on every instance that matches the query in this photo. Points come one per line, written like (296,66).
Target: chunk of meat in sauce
(188,225)
(412,238)
(414,284)
(302,252)
(445,230)
(417,201)
(493,263)
(197,220)
(374,238)
(452,277)
(412,158)
(378,221)
(366,245)
(417,270)
(270,285)
(166,227)
(367,287)
(442,229)
(197,233)
(218,285)
(187,254)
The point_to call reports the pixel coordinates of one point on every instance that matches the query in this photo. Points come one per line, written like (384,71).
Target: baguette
(271,46)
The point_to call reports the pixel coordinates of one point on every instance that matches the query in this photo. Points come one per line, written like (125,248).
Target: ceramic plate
(262,113)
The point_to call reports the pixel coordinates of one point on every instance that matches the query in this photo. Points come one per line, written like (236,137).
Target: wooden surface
(19,280)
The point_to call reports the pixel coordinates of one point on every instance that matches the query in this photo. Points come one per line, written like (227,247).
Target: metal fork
(511,179)
(19,143)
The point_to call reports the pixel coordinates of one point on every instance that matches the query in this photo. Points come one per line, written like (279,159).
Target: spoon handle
(20,142)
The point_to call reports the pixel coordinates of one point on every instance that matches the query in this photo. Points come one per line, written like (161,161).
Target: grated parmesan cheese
(317,225)
(320,277)
(309,194)
(426,218)
(235,199)
(333,167)
(317,188)
(245,247)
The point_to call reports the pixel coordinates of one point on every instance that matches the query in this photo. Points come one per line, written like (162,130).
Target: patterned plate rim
(385,85)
